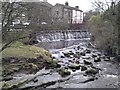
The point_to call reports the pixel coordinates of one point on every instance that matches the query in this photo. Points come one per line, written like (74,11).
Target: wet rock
(71,61)
(53,57)
(91,71)
(73,58)
(77,62)
(64,72)
(62,56)
(78,47)
(107,59)
(73,70)
(71,53)
(8,78)
(16,69)
(74,66)
(97,59)
(99,54)
(77,56)
(83,68)
(87,62)
(82,53)
(13,85)
(94,55)
(35,80)
(89,80)
(66,54)
(88,51)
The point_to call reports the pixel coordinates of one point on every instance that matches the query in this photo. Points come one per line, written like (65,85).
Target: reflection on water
(61,44)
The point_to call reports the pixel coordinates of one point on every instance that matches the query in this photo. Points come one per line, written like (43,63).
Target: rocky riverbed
(78,66)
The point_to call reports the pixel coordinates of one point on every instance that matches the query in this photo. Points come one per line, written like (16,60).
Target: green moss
(18,49)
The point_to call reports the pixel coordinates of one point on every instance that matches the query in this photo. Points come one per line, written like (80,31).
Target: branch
(10,42)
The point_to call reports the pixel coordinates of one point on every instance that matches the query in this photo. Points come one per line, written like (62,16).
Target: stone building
(66,13)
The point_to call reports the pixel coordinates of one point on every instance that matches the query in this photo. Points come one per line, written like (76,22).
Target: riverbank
(79,66)
(23,59)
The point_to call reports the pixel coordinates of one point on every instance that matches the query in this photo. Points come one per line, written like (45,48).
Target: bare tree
(10,11)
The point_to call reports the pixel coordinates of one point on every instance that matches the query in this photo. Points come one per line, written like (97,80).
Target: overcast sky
(84,5)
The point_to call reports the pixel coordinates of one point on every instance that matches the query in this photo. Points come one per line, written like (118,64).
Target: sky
(84,5)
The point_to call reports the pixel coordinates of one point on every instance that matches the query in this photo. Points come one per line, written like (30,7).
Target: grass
(20,50)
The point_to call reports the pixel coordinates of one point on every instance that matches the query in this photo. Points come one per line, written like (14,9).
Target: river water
(106,78)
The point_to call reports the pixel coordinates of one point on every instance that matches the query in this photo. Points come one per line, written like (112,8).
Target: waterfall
(64,35)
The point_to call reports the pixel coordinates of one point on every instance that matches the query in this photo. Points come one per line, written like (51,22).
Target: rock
(16,69)
(78,47)
(71,53)
(66,54)
(73,58)
(71,61)
(106,59)
(77,62)
(94,55)
(64,72)
(62,57)
(8,78)
(73,70)
(91,71)
(77,56)
(35,80)
(74,66)
(33,66)
(57,65)
(53,57)
(97,59)
(87,62)
(83,68)
(88,51)
(82,53)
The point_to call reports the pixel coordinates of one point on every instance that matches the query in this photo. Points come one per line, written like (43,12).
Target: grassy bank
(18,49)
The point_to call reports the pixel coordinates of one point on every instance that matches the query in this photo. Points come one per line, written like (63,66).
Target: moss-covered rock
(67,54)
(74,66)
(64,72)
(87,62)
(83,68)
(91,71)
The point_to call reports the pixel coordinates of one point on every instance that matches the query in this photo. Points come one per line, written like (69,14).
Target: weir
(59,35)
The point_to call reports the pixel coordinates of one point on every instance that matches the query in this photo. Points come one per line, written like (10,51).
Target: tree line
(104,25)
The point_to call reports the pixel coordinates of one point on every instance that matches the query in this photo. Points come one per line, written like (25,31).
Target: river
(105,77)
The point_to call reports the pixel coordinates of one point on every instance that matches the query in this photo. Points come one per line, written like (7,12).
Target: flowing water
(59,43)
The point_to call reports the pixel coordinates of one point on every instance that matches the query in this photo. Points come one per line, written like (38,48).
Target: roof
(46,4)
(69,7)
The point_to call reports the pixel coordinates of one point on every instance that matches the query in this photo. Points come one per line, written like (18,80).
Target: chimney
(44,0)
(66,3)
(77,7)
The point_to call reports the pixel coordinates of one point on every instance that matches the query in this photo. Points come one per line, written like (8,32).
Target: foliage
(18,49)
(104,31)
